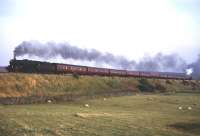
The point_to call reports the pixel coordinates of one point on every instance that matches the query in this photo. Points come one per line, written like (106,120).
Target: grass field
(138,115)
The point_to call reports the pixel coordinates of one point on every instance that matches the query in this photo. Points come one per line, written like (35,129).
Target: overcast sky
(132,28)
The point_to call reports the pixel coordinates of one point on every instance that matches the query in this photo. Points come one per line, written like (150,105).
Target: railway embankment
(18,88)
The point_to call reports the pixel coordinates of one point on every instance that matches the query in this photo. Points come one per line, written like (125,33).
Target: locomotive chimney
(14,56)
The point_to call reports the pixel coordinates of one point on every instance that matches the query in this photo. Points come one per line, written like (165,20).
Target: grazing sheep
(49,101)
(189,108)
(87,105)
(180,108)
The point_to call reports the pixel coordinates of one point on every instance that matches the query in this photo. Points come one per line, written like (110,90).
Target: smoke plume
(160,62)
(195,66)
(67,51)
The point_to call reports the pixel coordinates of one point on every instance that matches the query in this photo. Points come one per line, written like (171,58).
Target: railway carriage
(98,71)
(145,74)
(77,69)
(65,68)
(62,68)
(155,74)
(115,72)
(133,73)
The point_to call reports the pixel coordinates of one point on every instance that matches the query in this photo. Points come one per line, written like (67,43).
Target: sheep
(180,108)
(87,105)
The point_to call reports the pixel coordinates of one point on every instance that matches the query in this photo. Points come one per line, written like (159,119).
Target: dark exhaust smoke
(66,51)
(160,62)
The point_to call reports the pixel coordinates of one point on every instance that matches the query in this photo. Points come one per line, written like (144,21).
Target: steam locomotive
(30,66)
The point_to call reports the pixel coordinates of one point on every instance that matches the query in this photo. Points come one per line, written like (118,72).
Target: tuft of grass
(75,75)
(168,81)
(145,85)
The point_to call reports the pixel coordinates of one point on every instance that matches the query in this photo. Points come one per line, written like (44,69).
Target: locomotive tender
(30,66)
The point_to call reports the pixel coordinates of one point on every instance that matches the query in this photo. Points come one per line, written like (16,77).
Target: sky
(131,28)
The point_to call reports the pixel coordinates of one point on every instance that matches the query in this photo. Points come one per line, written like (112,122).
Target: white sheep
(87,105)
(180,108)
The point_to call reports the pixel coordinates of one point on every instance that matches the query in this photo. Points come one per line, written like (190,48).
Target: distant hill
(3,69)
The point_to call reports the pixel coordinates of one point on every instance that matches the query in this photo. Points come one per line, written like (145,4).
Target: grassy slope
(17,85)
(143,115)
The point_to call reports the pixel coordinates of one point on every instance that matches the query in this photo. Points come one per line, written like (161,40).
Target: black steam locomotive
(30,66)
